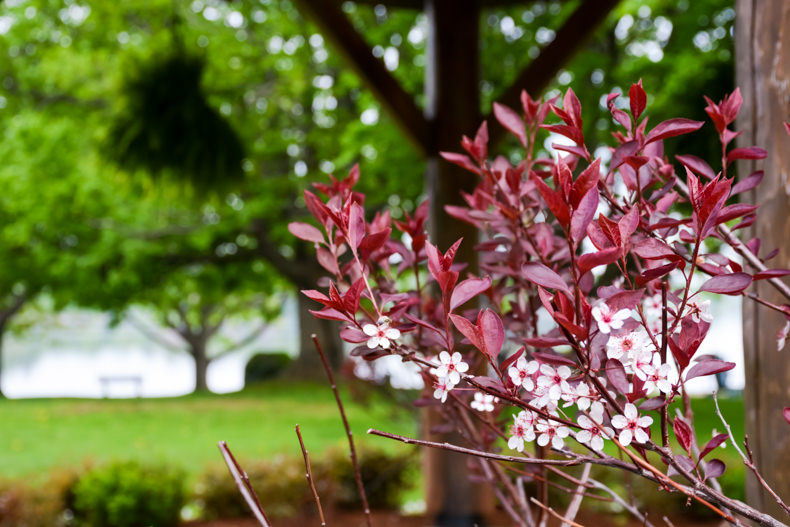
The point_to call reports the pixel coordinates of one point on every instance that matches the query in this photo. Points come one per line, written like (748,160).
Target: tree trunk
(197,346)
(762,38)
(2,333)
(453,107)
(308,364)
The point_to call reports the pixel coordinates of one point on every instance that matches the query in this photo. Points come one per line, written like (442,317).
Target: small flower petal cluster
(521,374)
(607,319)
(381,334)
(528,426)
(637,354)
(593,431)
(484,402)
(448,374)
(632,427)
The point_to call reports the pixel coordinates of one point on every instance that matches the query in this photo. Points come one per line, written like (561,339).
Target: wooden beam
(762,59)
(335,26)
(567,42)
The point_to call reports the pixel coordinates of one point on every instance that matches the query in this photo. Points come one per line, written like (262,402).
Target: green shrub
(284,491)
(265,366)
(23,505)
(129,494)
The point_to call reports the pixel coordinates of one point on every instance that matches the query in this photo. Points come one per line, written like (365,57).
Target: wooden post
(452,109)
(762,39)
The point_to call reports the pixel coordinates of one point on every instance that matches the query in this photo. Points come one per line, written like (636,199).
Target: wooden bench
(107,381)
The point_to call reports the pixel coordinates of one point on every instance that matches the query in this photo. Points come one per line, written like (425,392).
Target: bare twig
(309,476)
(578,496)
(624,504)
(478,453)
(351,447)
(555,513)
(243,482)
(748,461)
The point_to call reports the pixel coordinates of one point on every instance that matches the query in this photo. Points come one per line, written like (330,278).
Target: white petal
(583,436)
(462,367)
(384,342)
(454,378)
(625,437)
(564,372)
(514,443)
(543,439)
(547,370)
(640,436)
(618,421)
(456,357)
(597,443)
(373,342)
(444,357)
(630,411)
(392,333)
(370,330)
(644,421)
(533,366)
(557,442)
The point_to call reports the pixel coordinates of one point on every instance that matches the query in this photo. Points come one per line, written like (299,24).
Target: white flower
(522,429)
(661,376)
(484,402)
(581,395)
(552,431)
(633,427)
(593,432)
(653,306)
(607,320)
(521,373)
(554,380)
(641,364)
(441,388)
(451,366)
(699,310)
(381,333)
(622,347)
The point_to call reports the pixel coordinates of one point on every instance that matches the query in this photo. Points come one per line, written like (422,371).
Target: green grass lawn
(39,435)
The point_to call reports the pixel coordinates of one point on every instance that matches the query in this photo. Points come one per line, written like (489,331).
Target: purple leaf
(654,249)
(713,443)
(652,404)
(545,342)
(606,256)
(682,433)
(327,261)
(511,360)
(708,367)
(583,215)
(468,289)
(771,273)
(696,165)
(786,411)
(586,181)
(748,183)
(306,232)
(615,372)
(628,224)
(685,463)
(751,152)
(638,99)
(624,300)
(511,121)
(356,225)
(657,272)
(671,128)
(461,160)
(468,330)
(539,274)
(492,332)
(727,284)
(551,358)
(715,468)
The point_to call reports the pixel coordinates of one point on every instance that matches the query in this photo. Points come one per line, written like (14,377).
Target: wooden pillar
(762,40)
(452,109)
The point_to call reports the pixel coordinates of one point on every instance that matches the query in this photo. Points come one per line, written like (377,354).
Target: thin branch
(478,453)
(243,482)
(624,504)
(748,461)
(151,335)
(555,513)
(578,496)
(309,476)
(352,449)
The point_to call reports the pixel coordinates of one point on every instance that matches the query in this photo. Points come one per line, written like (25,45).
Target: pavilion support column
(452,109)
(762,39)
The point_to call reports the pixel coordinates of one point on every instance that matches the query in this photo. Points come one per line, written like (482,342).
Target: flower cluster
(448,374)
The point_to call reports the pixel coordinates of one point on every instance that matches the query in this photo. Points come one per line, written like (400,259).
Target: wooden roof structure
(452,109)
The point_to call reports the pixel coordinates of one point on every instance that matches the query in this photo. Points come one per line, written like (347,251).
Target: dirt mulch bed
(395,519)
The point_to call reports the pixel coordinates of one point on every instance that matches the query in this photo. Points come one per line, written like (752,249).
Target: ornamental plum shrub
(591,319)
